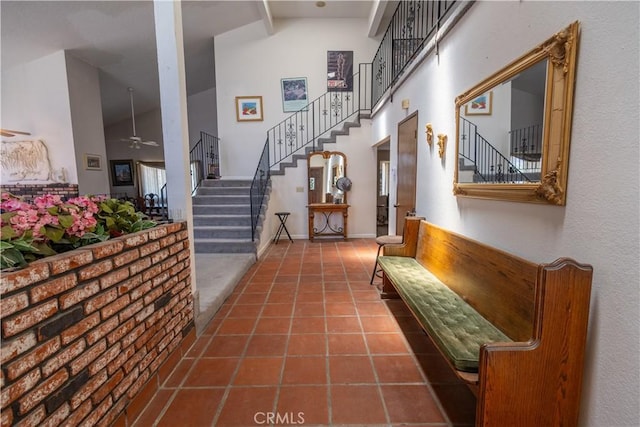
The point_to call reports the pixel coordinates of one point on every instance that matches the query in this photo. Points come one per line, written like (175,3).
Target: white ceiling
(118,37)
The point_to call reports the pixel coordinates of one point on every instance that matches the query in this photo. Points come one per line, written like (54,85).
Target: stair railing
(315,120)
(413,24)
(259,188)
(490,166)
(204,159)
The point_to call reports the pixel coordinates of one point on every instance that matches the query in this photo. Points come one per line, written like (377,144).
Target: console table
(325,211)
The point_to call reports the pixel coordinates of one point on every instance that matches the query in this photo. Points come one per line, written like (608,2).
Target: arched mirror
(325,169)
(514,128)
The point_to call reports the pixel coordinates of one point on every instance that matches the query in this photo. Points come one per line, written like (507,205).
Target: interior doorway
(383,176)
(406,171)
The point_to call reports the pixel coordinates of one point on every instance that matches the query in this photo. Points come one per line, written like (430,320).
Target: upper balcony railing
(413,24)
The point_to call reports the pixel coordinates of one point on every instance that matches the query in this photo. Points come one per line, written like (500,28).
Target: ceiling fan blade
(9,132)
(152,143)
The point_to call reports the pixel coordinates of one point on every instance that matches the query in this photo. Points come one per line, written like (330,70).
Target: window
(152,178)
(384,178)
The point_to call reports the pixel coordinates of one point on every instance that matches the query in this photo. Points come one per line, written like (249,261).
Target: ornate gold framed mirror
(513,129)
(324,170)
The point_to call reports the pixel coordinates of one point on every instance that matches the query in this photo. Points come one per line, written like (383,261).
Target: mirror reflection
(324,170)
(500,138)
(513,129)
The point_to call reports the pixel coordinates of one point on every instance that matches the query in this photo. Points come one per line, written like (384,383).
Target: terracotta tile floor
(305,340)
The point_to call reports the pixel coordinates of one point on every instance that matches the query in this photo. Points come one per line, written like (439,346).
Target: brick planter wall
(29,191)
(84,332)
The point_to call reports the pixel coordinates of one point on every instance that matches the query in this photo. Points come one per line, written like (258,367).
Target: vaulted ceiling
(118,37)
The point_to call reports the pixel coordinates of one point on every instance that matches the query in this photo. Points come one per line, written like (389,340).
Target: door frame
(409,170)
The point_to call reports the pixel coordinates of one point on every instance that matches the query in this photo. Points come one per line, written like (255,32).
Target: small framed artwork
(480,105)
(294,94)
(92,162)
(122,172)
(339,70)
(249,109)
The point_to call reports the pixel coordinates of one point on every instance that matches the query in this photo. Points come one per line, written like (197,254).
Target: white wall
(86,120)
(35,99)
(250,63)
(202,115)
(600,223)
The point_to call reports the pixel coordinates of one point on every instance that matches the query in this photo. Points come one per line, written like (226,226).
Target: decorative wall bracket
(442,144)
(429,131)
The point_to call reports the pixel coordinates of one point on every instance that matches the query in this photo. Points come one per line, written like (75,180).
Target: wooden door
(315,177)
(406,171)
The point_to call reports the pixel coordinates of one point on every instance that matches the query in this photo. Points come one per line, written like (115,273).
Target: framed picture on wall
(294,94)
(92,162)
(480,105)
(121,172)
(339,70)
(249,109)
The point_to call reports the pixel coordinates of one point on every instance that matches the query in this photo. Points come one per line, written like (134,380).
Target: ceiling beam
(267,19)
(375,17)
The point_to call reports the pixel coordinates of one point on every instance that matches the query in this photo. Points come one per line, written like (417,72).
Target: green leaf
(54,234)
(44,249)
(65,221)
(5,245)
(105,207)
(7,232)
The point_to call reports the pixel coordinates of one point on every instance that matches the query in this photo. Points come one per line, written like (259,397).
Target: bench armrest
(409,239)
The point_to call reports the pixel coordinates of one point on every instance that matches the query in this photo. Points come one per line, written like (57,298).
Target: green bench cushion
(456,327)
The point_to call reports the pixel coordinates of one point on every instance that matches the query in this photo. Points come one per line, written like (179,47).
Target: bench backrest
(500,286)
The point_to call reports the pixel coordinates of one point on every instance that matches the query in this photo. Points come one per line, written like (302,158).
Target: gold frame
(257,117)
(561,51)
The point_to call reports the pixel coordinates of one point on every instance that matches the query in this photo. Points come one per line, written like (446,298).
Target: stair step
(221,220)
(226,183)
(224,246)
(222,232)
(221,199)
(222,191)
(240,209)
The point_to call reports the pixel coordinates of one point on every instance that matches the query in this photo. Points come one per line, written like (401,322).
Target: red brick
(126,257)
(149,248)
(63,357)
(106,357)
(53,287)
(182,235)
(103,329)
(130,310)
(173,284)
(14,347)
(160,279)
(146,361)
(69,261)
(120,331)
(152,296)
(34,418)
(108,248)
(77,416)
(175,227)
(94,270)
(141,290)
(157,362)
(80,293)
(176,248)
(157,233)
(87,390)
(87,357)
(32,359)
(124,385)
(139,265)
(43,390)
(106,388)
(173,345)
(140,397)
(159,256)
(13,392)
(79,328)
(107,420)
(117,363)
(17,302)
(129,285)
(169,263)
(182,255)
(6,417)
(132,362)
(32,273)
(58,416)
(136,239)
(98,413)
(152,272)
(28,318)
(145,337)
(146,312)
(115,306)
(133,335)
(114,277)
(155,318)
(167,241)
(100,301)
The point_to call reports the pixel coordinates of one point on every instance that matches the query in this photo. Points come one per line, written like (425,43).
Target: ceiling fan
(9,132)
(134,140)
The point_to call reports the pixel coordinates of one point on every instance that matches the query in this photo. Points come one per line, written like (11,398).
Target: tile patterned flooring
(305,340)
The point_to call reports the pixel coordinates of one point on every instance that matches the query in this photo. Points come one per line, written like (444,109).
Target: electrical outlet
(299,189)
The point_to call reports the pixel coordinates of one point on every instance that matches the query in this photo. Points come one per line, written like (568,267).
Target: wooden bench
(514,331)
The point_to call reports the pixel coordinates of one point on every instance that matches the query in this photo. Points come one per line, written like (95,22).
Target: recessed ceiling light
(321,4)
